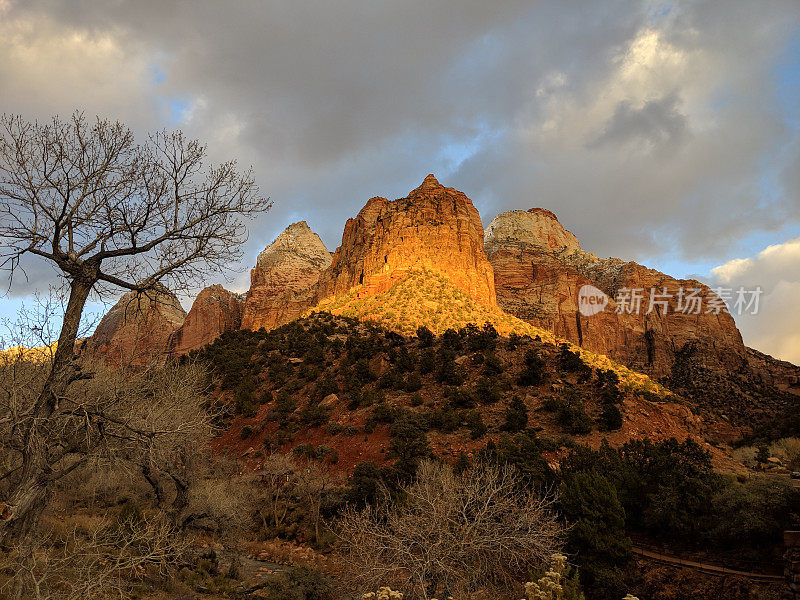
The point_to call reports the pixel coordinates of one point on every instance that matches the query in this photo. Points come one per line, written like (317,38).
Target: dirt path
(705,567)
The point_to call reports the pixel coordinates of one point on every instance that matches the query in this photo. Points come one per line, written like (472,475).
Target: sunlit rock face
(214,311)
(138,328)
(434,228)
(283,282)
(539,269)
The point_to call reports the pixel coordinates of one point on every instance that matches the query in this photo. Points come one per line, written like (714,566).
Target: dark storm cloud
(659,124)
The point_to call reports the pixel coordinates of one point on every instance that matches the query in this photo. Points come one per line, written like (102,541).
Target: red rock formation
(137,328)
(434,227)
(214,311)
(282,284)
(539,269)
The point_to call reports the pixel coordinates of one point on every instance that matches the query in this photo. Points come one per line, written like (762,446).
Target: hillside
(337,388)
(427,298)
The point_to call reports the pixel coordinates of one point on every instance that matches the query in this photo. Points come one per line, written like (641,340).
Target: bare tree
(314,480)
(105,211)
(277,472)
(450,534)
(95,563)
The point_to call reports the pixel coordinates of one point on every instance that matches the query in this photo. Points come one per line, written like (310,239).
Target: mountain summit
(429,184)
(434,228)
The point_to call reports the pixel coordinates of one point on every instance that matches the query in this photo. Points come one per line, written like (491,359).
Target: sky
(662,132)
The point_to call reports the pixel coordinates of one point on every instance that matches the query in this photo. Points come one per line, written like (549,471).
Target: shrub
(492,365)
(597,534)
(487,391)
(451,340)
(382,413)
(570,412)
(474,420)
(460,398)
(409,444)
(516,416)
(425,336)
(559,582)
(610,418)
(571,361)
(413,382)
(533,371)
(246,432)
(427,361)
(447,370)
(364,484)
(477,543)
(299,583)
(523,452)
(315,415)
(444,419)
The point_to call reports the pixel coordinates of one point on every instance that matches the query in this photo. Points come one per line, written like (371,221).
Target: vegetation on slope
(362,401)
(427,298)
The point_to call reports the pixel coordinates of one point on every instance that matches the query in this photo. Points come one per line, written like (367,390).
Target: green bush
(474,420)
(425,336)
(299,583)
(516,415)
(413,382)
(409,444)
(315,415)
(447,370)
(492,365)
(597,535)
(487,391)
(610,418)
(533,371)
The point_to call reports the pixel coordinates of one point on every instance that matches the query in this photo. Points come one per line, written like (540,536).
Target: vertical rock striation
(214,311)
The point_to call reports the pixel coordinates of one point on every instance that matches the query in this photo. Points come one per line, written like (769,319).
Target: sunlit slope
(428,298)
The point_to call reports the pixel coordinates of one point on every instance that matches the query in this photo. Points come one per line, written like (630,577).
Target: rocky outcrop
(782,374)
(214,311)
(283,282)
(540,268)
(434,228)
(138,328)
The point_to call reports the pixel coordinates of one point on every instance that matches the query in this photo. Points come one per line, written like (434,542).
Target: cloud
(775,329)
(658,125)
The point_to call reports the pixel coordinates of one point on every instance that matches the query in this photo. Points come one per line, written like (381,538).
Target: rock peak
(429,184)
(282,282)
(299,226)
(434,227)
(535,228)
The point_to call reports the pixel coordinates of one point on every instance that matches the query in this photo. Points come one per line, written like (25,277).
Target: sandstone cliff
(282,284)
(539,268)
(214,311)
(138,328)
(434,227)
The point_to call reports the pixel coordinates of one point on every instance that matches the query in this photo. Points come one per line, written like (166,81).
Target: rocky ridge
(540,268)
(214,311)
(424,259)
(138,327)
(282,284)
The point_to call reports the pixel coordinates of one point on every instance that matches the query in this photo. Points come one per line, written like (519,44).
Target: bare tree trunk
(154,481)
(27,498)
(181,494)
